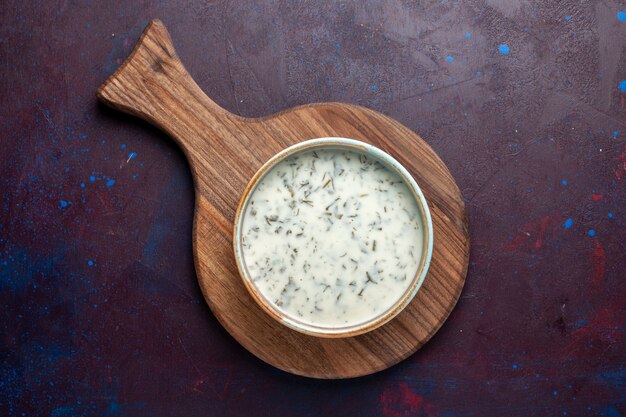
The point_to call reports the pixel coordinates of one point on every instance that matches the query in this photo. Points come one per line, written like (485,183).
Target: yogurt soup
(332,237)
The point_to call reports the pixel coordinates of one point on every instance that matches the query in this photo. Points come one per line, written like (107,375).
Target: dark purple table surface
(100,311)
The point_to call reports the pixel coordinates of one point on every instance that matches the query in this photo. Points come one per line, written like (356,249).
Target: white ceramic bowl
(350,329)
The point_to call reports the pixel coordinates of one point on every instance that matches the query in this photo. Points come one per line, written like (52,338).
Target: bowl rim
(400,304)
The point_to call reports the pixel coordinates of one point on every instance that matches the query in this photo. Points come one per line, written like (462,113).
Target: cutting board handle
(154,85)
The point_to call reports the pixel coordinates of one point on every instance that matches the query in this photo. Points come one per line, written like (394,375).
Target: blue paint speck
(591,232)
(92,178)
(449,58)
(114,407)
(622,86)
(581,323)
(621,15)
(611,411)
(568,223)
(84,136)
(123,146)
(615,134)
(568,17)
(66,411)
(515,366)
(478,73)
(90,262)
(610,215)
(82,185)
(504,49)
(63,203)
(555,393)
(564,182)
(468,35)
(132,155)
(374,88)
(110,183)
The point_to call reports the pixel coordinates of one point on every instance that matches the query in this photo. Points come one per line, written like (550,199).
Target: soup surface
(332,237)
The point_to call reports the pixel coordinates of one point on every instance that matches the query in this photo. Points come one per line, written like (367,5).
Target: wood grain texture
(225,150)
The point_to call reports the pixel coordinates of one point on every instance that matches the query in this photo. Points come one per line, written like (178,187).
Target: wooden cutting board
(225,150)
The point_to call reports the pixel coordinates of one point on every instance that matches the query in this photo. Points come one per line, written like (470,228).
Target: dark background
(100,311)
